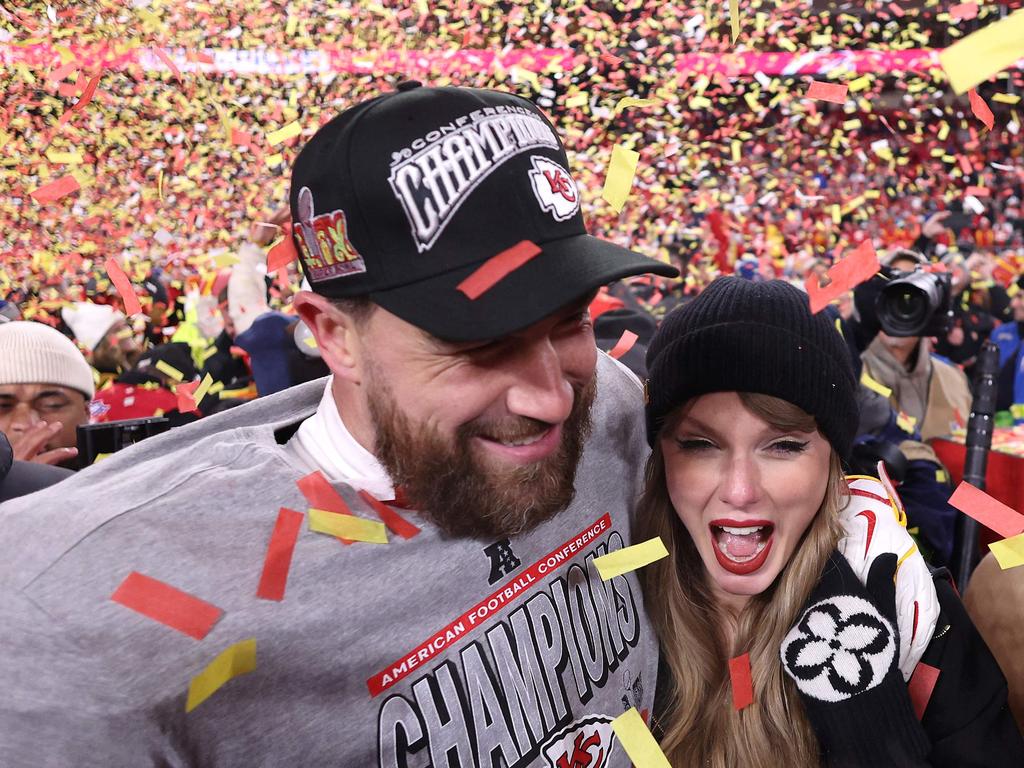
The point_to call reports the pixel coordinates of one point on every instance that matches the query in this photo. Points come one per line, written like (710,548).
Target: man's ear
(335,334)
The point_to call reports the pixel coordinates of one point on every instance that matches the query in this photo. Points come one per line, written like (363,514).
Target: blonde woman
(751,410)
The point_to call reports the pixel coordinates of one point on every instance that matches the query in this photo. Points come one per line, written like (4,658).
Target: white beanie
(90,322)
(33,353)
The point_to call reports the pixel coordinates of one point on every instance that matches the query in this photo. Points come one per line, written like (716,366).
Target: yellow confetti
(579,100)
(283,134)
(235,660)
(984,53)
(164,367)
(874,386)
(64,158)
(941,476)
(291,25)
(734,19)
(347,526)
(203,388)
(619,181)
(637,740)
(274,160)
(1006,98)
(632,101)
(630,558)
(737,150)
(1009,553)
(905,422)
(861,83)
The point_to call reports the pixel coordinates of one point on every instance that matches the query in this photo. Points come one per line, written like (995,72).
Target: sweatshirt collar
(324,442)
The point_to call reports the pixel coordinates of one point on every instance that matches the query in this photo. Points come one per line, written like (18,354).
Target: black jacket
(967,718)
(19,478)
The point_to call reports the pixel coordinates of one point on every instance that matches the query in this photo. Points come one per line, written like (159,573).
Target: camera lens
(913,304)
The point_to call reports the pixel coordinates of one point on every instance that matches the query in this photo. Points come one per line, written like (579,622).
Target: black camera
(96,440)
(917,303)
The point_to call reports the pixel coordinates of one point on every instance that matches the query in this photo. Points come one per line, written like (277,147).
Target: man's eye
(694,445)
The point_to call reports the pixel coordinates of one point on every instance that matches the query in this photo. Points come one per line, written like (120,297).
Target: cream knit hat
(90,322)
(33,353)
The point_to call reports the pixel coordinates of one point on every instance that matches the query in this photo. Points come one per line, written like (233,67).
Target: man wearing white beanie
(104,332)
(45,389)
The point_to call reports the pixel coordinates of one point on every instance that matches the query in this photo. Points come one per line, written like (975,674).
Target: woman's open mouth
(741,546)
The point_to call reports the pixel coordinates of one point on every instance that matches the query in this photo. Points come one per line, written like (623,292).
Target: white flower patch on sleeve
(840,647)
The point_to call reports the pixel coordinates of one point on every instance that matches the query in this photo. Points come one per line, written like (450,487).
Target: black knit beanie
(742,336)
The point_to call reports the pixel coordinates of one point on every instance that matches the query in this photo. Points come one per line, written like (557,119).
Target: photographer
(929,391)
(933,394)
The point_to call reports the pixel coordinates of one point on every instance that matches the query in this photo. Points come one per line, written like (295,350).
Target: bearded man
(176,604)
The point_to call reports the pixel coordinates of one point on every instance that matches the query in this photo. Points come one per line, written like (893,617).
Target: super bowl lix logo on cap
(435,174)
(323,242)
(554,188)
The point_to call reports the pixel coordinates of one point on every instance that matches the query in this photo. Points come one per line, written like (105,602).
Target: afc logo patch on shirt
(554,188)
(503,560)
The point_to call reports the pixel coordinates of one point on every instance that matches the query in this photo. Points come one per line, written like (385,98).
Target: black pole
(979,441)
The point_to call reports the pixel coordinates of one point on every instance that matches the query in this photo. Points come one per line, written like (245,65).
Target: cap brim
(564,270)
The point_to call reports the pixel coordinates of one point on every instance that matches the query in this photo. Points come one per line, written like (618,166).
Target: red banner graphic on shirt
(490,605)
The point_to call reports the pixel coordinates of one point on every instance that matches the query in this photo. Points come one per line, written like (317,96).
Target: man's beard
(465,497)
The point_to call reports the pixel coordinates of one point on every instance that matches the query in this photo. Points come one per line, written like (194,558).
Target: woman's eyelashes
(783,447)
(791,447)
(694,444)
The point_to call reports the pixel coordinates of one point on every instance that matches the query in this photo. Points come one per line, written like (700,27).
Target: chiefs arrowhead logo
(587,743)
(554,188)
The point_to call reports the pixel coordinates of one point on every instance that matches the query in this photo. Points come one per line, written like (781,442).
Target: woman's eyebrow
(692,422)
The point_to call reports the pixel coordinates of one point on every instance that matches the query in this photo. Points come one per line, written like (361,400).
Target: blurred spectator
(104,332)
(45,389)
(1009,337)
(934,394)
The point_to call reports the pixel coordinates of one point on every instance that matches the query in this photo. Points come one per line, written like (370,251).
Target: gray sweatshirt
(423,652)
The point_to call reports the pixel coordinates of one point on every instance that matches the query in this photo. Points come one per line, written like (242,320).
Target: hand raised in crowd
(30,444)
(934,227)
(263,233)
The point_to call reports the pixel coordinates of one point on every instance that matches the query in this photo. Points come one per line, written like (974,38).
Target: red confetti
(981,110)
(834,92)
(965,164)
(993,514)
(162,55)
(497,267)
(124,287)
(623,345)
(978,191)
(184,391)
(166,604)
(394,521)
(279,554)
(62,71)
(321,495)
(742,683)
(87,94)
(920,687)
(283,253)
(56,189)
(845,275)
(965,11)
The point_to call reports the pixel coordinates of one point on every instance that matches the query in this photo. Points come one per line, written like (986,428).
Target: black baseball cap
(400,198)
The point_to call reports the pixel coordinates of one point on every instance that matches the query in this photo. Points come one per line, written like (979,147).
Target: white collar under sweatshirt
(323,442)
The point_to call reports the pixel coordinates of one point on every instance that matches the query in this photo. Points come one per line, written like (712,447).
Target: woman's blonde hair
(699,725)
